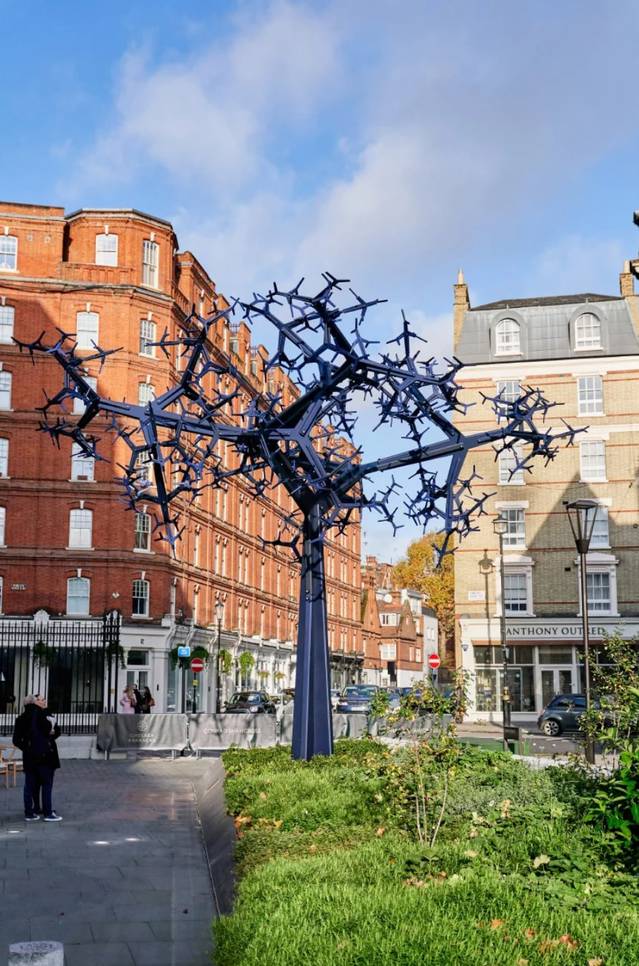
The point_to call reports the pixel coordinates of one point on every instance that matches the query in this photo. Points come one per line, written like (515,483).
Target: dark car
(356,698)
(562,714)
(250,702)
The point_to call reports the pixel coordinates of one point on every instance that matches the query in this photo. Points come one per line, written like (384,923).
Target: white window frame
(146,392)
(514,564)
(593,574)
(141,584)
(106,253)
(82,467)
(508,337)
(80,529)
(515,536)
(3,526)
(592,461)
(148,334)
(142,532)
(87,329)
(150,261)
(6,382)
(8,253)
(590,401)
(7,323)
(4,458)
(522,577)
(76,583)
(601,530)
(79,407)
(505,461)
(587,338)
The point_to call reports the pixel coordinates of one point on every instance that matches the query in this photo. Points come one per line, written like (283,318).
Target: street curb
(218,832)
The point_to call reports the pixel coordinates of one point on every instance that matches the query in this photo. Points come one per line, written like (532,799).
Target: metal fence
(75,663)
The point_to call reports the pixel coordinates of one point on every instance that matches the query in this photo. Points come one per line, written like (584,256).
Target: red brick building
(399,629)
(68,546)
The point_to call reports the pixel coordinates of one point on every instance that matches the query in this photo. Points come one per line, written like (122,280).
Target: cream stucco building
(582,351)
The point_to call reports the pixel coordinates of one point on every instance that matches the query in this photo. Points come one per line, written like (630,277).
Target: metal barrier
(215,732)
(142,732)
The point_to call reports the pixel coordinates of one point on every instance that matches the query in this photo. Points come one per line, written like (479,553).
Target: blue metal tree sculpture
(306,445)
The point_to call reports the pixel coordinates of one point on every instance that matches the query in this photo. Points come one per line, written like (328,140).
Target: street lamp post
(581,516)
(500,526)
(219,613)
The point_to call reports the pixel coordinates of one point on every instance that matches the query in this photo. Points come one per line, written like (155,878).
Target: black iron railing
(74,662)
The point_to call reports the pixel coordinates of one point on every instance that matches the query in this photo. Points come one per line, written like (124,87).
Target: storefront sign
(479,595)
(566,631)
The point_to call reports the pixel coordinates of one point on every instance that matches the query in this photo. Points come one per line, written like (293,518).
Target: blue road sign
(184,651)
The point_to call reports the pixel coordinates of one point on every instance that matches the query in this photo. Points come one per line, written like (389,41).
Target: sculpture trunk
(312,720)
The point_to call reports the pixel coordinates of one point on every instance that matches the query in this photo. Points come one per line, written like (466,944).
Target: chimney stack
(461,305)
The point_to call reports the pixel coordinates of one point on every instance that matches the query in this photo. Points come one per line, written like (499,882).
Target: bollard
(36,954)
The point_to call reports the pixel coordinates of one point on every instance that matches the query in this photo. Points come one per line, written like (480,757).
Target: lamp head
(581,516)
(500,525)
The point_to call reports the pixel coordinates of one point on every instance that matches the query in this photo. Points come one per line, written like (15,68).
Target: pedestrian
(35,733)
(147,700)
(127,701)
(138,699)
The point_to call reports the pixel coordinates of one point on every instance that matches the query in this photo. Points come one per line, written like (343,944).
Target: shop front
(545,658)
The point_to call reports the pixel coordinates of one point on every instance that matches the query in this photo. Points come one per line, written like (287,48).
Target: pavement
(123,880)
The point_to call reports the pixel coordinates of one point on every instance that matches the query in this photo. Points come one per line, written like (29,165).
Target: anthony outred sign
(197,665)
(433,661)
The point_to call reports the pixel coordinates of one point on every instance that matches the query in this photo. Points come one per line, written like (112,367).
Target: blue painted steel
(306,444)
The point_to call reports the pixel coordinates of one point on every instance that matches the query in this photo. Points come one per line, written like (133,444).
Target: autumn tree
(419,571)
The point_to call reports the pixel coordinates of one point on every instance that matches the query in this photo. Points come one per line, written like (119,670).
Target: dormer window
(587,331)
(507,338)
(106,250)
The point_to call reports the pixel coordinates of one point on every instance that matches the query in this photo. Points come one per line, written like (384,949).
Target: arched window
(106,249)
(78,595)
(140,606)
(80,529)
(7,315)
(8,253)
(507,338)
(587,331)
(87,329)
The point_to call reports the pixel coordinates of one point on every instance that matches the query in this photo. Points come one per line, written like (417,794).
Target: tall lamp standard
(582,515)
(219,614)
(500,526)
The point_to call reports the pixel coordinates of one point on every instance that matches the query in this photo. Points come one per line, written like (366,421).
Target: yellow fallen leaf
(529,933)
(523,962)
(312,849)
(541,860)
(547,945)
(416,883)
(496,923)
(473,833)
(263,796)
(596,962)
(471,854)
(380,831)
(505,808)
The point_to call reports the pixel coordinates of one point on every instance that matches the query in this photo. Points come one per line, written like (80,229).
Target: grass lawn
(332,869)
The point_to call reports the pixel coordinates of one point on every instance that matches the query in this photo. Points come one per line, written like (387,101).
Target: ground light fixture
(500,526)
(582,516)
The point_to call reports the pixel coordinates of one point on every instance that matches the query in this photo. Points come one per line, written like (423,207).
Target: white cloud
(577,264)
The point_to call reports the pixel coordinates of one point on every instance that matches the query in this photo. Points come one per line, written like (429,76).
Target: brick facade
(54,281)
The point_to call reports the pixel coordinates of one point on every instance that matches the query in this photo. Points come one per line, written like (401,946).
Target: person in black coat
(35,734)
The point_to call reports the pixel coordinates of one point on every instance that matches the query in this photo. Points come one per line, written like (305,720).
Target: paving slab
(124,878)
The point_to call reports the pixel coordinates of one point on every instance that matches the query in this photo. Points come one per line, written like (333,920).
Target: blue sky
(387,142)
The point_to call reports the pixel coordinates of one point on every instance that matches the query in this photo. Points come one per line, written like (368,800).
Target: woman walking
(127,701)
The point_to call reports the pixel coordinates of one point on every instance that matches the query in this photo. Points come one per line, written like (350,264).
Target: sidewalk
(123,880)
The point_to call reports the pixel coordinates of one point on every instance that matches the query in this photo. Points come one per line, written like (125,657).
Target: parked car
(250,702)
(334,697)
(561,714)
(356,698)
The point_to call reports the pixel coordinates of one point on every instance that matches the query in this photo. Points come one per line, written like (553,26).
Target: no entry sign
(197,665)
(433,661)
